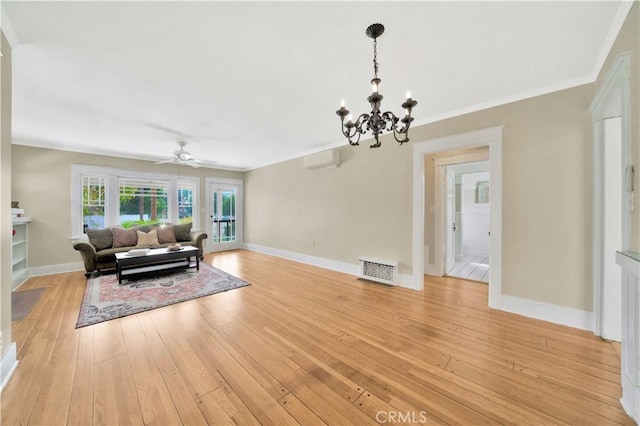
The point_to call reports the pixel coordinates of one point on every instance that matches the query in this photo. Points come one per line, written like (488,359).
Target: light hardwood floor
(310,346)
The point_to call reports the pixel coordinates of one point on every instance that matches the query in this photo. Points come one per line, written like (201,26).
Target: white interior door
(224,209)
(450,191)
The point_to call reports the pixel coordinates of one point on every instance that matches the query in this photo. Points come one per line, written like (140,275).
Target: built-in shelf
(17,261)
(19,251)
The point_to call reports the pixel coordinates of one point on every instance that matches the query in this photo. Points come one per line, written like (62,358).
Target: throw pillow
(124,237)
(166,234)
(100,238)
(147,239)
(183,231)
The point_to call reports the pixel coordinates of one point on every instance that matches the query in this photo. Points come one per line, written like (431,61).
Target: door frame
(615,86)
(451,224)
(491,137)
(239,210)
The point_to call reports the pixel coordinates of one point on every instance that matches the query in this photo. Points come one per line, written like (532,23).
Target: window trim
(112,199)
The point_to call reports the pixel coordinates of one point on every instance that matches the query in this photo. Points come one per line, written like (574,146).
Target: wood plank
(222,404)
(311,391)
(162,362)
(81,403)
(156,405)
(303,414)
(115,400)
(276,389)
(262,406)
(200,379)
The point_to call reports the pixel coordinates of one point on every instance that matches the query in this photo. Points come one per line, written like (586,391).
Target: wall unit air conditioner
(322,160)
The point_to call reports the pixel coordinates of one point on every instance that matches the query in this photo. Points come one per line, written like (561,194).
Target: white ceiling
(253,83)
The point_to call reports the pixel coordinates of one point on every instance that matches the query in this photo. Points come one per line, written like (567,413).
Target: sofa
(98,251)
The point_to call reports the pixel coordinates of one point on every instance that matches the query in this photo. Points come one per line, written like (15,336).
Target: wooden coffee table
(155,260)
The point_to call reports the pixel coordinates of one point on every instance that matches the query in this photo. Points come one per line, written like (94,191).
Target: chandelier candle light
(376,121)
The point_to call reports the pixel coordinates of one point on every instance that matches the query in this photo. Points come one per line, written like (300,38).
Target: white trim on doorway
(611,99)
(491,137)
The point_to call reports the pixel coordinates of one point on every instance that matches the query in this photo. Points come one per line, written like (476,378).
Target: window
(185,201)
(143,201)
(104,197)
(93,201)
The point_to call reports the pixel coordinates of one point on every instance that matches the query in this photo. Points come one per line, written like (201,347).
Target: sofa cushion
(147,239)
(100,238)
(124,237)
(166,234)
(183,231)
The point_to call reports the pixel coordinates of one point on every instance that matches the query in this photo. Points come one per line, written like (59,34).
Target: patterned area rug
(105,299)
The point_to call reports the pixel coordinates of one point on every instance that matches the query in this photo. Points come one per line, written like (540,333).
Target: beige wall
(42,184)
(361,208)
(5,197)
(629,41)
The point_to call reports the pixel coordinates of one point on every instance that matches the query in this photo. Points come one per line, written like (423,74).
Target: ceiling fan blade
(193,164)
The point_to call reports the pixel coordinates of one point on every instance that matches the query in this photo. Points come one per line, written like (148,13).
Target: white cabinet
(19,251)
(630,362)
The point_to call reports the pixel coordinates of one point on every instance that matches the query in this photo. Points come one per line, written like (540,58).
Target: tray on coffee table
(154,260)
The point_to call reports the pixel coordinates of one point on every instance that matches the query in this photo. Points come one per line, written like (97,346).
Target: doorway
(468,224)
(424,258)
(224,212)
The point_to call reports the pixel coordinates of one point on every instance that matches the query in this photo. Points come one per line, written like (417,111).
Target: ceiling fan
(181,156)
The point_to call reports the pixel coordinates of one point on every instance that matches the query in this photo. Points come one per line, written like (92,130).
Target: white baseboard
(334,265)
(571,317)
(37,271)
(8,365)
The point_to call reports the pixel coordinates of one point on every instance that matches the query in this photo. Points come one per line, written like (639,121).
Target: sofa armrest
(88,252)
(198,238)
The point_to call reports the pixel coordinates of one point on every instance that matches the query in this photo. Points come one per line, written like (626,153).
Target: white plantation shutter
(132,187)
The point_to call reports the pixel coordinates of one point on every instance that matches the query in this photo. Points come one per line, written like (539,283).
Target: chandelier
(376,121)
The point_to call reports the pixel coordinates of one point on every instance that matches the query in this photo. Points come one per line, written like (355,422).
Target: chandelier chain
(375,57)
